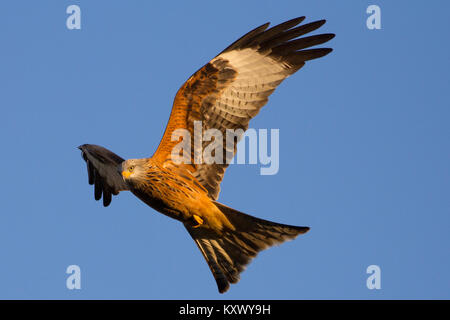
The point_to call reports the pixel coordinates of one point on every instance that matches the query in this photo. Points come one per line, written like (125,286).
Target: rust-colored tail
(227,254)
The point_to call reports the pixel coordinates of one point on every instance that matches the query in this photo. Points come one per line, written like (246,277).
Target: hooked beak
(123,172)
(126,174)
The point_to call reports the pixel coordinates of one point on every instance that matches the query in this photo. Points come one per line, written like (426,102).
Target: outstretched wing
(102,166)
(231,89)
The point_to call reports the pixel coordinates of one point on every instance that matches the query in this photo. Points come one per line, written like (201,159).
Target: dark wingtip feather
(294,21)
(318,23)
(275,31)
(244,40)
(302,230)
(98,188)
(301,43)
(91,173)
(82,146)
(107,198)
(299,57)
(290,34)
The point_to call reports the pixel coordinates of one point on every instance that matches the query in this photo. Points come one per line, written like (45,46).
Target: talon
(198,220)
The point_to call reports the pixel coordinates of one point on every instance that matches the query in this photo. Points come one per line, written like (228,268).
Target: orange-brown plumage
(224,95)
(173,191)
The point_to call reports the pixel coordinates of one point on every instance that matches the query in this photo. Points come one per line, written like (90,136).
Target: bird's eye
(131,168)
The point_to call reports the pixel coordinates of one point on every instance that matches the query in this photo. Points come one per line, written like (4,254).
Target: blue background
(364,150)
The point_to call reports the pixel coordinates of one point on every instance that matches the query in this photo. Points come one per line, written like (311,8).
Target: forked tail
(227,254)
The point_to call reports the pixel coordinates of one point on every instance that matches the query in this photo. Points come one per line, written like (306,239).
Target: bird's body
(173,191)
(223,95)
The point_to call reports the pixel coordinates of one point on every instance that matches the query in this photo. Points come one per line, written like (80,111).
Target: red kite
(224,95)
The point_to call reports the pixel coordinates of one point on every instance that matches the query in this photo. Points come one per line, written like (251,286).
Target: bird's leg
(198,220)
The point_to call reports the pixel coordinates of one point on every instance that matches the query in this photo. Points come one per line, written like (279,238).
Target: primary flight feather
(224,95)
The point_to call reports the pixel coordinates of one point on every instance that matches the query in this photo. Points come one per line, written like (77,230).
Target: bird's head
(132,168)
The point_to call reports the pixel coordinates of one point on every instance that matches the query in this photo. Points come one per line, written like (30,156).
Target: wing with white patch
(232,88)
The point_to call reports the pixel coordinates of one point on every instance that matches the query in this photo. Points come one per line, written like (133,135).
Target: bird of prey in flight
(224,95)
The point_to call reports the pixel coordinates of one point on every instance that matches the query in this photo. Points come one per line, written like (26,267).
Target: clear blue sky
(364,150)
